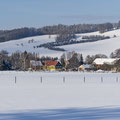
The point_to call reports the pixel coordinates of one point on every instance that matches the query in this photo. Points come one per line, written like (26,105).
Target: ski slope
(100,47)
(53,99)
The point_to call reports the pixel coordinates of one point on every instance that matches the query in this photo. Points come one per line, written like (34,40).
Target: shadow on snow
(65,114)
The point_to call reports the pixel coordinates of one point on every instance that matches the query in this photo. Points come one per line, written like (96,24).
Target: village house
(35,65)
(53,66)
(84,67)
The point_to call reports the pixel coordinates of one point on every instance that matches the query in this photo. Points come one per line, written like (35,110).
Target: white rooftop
(36,63)
(101,61)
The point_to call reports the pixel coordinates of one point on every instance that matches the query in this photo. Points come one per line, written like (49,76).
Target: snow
(101,61)
(104,47)
(45,96)
(100,47)
(51,96)
(24,45)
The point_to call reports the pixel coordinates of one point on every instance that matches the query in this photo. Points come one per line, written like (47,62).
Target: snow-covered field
(80,96)
(100,47)
(26,44)
(104,47)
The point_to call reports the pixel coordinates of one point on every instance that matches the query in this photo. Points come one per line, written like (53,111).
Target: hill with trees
(60,30)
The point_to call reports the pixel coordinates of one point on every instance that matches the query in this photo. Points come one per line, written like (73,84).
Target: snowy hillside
(104,47)
(28,45)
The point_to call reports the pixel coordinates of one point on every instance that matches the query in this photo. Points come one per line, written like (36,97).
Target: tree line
(67,39)
(21,60)
(68,31)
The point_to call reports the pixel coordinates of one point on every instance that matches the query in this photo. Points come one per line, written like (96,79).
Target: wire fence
(54,79)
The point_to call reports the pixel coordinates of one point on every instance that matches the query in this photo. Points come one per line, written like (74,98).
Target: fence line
(102,80)
(60,79)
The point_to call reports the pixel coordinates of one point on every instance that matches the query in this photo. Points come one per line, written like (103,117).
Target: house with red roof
(53,66)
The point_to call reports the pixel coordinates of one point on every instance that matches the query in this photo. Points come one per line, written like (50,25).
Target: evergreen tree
(81,60)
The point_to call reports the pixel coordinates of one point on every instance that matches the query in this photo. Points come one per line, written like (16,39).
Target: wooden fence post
(41,79)
(63,79)
(101,79)
(84,79)
(117,79)
(15,80)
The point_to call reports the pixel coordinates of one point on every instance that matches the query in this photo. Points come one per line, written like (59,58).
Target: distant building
(84,67)
(53,66)
(99,62)
(36,65)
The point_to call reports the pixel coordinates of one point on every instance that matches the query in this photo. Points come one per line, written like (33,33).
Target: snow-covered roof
(36,63)
(85,66)
(101,61)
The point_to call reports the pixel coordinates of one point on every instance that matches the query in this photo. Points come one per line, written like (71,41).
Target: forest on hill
(64,32)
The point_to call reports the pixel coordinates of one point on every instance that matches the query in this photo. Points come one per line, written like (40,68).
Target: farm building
(99,62)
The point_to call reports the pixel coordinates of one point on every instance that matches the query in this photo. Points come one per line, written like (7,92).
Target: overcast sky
(38,13)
